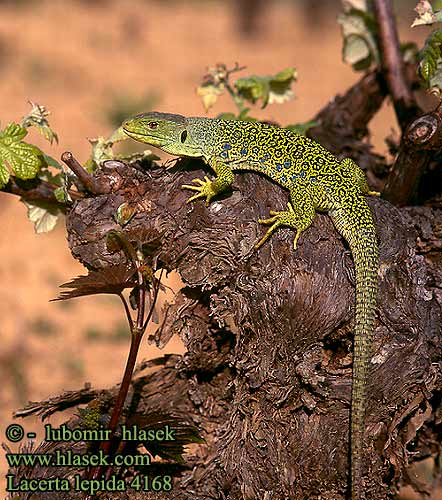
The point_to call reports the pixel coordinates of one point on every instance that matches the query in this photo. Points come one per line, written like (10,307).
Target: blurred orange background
(90,62)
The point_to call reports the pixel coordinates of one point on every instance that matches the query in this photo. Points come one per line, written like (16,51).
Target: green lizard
(316,180)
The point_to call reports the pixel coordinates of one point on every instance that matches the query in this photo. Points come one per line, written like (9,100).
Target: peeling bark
(267,372)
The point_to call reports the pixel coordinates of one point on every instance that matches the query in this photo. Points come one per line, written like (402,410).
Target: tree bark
(267,372)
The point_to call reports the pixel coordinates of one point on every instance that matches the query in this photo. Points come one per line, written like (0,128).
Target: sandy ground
(77,59)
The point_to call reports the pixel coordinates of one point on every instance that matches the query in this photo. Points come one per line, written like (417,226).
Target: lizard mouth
(146,138)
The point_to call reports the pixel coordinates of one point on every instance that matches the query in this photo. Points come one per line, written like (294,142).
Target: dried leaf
(43,215)
(184,433)
(425,14)
(359,32)
(209,94)
(113,280)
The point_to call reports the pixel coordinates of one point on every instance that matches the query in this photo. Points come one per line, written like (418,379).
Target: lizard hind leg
(299,216)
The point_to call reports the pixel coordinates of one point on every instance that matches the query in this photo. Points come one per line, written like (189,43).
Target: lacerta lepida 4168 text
(316,180)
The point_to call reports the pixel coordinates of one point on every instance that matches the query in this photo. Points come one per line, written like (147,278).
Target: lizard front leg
(299,216)
(209,188)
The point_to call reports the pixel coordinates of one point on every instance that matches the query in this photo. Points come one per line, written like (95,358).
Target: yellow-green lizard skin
(316,180)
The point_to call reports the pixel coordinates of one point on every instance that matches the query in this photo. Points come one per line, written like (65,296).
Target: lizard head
(165,131)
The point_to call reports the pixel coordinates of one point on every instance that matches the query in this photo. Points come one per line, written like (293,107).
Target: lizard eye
(152,125)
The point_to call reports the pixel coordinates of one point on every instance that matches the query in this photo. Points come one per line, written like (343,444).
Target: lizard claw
(284,218)
(204,190)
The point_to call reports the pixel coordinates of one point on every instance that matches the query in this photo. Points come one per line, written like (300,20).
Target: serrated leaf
(112,280)
(184,433)
(253,88)
(280,86)
(37,118)
(24,159)
(209,94)
(269,89)
(44,216)
(4,175)
(12,133)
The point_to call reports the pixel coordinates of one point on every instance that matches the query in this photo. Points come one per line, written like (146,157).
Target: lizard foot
(205,189)
(285,218)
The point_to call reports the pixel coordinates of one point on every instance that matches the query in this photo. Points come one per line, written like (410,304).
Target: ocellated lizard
(316,180)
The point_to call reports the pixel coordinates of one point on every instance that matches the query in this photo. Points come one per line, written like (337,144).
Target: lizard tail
(360,233)
(366,265)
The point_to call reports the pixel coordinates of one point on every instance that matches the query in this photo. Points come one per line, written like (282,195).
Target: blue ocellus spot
(278,167)
(266,156)
(227,146)
(283,179)
(294,177)
(287,163)
(243,151)
(302,174)
(224,154)
(313,179)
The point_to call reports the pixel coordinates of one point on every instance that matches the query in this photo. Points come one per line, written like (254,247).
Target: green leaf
(24,159)
(359,32)
(430,59)
(51,162)
(302,128)
(280,86)
(62,195)
(13,133)
(37,118)
(268,89)
(435,80)
(43,215)
(4,175)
